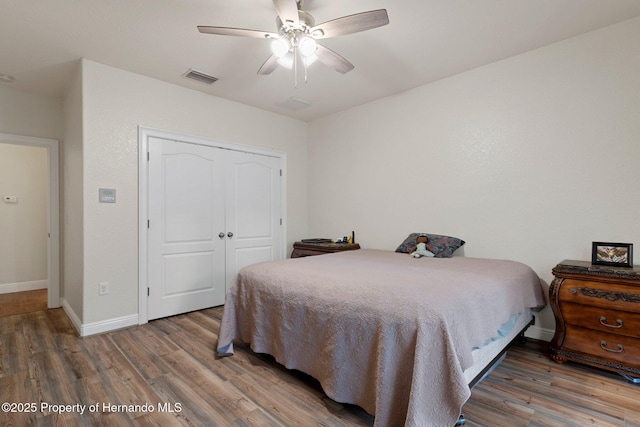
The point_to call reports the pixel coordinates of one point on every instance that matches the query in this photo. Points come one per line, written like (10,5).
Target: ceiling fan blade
(351,24)
(333,60)
(269,65)
(241,32)
(287,10)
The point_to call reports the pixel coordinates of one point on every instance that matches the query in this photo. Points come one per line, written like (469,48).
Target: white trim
(144,133)
(539,333)
(8,288)
(108,325)
(75,320)
(283,206)
(53,210)
(143,215)
(98,327)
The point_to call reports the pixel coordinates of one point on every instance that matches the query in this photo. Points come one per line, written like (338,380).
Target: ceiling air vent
(293,104)
(200,77)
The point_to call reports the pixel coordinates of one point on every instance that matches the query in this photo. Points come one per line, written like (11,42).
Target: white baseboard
(539,333)
(8,288)
(108,325)
(87,329)
(75,320)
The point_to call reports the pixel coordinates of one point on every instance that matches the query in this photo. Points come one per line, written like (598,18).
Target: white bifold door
(212,211)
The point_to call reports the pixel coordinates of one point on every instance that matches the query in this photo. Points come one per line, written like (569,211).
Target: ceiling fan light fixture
(308,46)
(280,47)
(286,61)
(297,32)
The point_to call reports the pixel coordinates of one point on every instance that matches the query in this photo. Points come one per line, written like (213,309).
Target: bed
(403,338)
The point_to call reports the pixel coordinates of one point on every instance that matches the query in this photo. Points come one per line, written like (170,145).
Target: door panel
(253,255)
(189,272)
(186,205)
(189,193)
(252,198)
(253,210)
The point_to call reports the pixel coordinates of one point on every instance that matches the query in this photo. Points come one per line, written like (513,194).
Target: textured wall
(115,103)
(531,158)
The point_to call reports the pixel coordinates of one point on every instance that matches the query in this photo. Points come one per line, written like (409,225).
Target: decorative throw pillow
(441,246)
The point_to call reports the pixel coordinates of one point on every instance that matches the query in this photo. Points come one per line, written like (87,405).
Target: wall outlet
(104,288)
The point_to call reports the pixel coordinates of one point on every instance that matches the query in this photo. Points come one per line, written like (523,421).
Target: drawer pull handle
(603,322)
(603,345)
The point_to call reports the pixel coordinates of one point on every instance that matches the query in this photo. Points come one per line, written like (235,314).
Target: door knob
(229,234)
(221,235)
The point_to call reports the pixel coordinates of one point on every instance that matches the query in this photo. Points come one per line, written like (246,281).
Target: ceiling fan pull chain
(295,66)
(305,65)
(305,70)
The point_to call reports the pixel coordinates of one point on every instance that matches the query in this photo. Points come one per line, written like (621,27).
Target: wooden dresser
(597,311)
(301,249)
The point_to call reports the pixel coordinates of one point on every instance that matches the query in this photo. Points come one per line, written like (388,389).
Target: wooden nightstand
(597,311)
(301,249)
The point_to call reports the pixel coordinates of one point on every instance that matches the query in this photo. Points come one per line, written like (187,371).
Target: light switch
(107,195)
(11,199)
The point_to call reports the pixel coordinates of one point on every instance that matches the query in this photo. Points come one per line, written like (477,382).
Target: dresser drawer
(597,294)
(603,346)
(602,319)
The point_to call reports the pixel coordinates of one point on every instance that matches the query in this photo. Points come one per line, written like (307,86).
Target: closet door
(253,210)
(186,217)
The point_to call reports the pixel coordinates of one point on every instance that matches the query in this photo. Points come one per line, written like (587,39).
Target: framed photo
(615,254)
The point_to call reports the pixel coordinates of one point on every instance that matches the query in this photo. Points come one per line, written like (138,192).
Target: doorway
(19,278)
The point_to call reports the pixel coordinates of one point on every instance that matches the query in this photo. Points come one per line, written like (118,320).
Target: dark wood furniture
(597,311)
(301,249)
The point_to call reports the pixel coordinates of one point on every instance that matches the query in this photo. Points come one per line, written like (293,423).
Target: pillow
(441,246)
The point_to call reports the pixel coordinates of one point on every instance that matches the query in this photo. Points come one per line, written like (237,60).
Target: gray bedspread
(382,330)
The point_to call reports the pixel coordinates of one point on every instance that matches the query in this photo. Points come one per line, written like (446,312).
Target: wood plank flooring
(169,365)
(23,302)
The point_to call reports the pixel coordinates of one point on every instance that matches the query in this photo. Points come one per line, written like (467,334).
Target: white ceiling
(426,40)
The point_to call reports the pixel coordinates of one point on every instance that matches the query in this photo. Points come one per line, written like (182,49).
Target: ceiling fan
(297,33)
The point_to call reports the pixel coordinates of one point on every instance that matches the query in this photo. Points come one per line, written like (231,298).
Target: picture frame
(612,254)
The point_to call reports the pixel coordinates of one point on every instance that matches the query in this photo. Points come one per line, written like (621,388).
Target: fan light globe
(308,46)
(280,47)
(286,60)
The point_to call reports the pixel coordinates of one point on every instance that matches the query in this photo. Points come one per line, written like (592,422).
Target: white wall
(71,183)
(114,104)
(28,114)
(23,224)
(531,158)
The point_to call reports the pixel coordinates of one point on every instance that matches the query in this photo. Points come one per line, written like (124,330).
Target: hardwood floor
(169,365)
(23,302)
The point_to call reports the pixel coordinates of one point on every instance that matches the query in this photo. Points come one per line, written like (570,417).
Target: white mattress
(484,355)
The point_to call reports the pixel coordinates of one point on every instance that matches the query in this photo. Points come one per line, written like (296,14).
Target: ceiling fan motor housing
(305,23)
